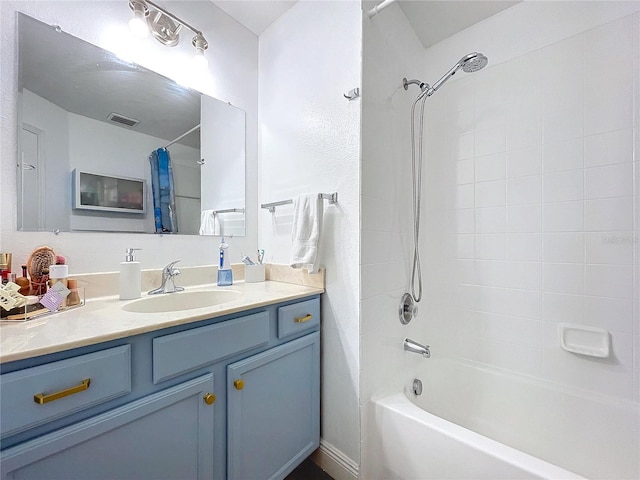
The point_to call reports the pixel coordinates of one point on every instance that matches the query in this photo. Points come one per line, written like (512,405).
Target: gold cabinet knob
(209,399)
(239,384)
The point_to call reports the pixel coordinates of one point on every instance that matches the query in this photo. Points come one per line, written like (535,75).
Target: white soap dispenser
(130,277)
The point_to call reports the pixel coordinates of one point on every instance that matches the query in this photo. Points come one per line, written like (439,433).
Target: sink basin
(175,302)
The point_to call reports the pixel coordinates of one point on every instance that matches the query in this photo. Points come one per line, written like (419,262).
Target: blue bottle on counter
(225,275)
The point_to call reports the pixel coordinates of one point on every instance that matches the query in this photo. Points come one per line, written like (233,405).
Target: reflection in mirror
(82,109)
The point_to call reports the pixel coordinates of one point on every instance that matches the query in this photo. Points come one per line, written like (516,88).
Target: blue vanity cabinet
(273,410)
(166,435)
(167,405)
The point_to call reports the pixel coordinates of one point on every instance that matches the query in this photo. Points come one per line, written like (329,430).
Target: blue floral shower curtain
(164,202)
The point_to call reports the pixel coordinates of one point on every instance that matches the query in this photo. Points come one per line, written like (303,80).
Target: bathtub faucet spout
(415,347)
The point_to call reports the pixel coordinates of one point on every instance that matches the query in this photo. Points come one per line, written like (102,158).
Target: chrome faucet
(415,347)
(168,280)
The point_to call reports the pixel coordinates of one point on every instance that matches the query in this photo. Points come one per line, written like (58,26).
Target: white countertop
(103,319)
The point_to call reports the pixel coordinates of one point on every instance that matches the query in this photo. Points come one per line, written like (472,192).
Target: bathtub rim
(400,404)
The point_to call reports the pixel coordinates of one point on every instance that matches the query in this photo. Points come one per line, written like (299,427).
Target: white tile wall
(565,247)
(543,219)
(524,246)
(520,231)
(609,148)
(524,190)
(562,155)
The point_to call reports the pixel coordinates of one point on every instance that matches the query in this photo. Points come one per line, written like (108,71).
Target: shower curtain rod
(381,6)
(182,136)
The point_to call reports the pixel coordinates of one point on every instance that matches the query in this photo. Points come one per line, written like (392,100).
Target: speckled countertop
(104,319)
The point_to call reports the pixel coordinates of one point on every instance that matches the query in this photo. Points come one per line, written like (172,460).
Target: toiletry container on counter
(130,276)
(59,274)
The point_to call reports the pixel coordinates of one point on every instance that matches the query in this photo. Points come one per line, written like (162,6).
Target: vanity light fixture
(165,27)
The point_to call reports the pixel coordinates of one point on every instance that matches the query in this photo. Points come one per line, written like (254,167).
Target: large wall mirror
(88,123)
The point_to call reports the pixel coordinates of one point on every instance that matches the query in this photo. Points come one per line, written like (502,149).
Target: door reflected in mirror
(82,108)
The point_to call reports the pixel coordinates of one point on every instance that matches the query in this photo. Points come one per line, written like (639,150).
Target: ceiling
(436,20)
(256,15)
(432,20)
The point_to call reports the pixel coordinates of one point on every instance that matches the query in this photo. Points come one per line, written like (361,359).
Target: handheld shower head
(469,63)
(473,62)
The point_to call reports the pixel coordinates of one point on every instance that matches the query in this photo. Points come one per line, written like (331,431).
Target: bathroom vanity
(234,395)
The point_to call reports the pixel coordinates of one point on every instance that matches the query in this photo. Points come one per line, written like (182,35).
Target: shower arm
(423,86)
(428,90)
(425,89)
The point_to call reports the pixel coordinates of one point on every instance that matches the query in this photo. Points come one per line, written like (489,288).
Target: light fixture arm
(174,18)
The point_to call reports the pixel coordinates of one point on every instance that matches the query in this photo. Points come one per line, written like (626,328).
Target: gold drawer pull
(306,318)
(209,399)
(41,398)
(239,384)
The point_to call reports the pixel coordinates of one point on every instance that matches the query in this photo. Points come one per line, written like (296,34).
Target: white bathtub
(476,423)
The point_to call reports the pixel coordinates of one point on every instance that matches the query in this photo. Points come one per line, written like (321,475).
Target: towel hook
(352,94)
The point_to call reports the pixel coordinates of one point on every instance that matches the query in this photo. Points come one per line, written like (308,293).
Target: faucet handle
(169,270)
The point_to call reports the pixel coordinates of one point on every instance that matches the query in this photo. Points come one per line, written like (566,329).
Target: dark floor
(308,471)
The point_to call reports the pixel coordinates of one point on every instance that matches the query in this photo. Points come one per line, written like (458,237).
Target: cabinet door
(167,435)
(273,403)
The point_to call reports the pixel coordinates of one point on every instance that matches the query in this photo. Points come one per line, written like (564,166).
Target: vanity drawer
(181,352)
(37,395)
(298,317)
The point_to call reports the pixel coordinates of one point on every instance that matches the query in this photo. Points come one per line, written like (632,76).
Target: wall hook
(352,94)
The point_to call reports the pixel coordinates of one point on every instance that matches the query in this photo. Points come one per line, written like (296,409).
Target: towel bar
(332,197)
(228,210)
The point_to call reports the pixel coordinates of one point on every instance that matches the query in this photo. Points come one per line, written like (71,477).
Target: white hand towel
(305,232)
(207,223)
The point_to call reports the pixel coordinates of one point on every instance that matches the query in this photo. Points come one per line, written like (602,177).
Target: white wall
(391,51)
(53,122)
(529,193)
(309,143)
(232,76)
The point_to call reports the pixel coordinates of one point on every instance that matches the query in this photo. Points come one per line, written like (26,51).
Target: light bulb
(138,26)
(199,61)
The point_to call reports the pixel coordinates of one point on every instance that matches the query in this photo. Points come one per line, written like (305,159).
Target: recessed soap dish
(590,341)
